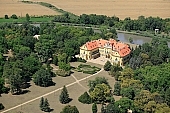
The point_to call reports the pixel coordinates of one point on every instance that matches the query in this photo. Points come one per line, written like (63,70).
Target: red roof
(122,48)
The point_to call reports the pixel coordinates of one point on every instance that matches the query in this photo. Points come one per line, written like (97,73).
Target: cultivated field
(120,8)
(10,7)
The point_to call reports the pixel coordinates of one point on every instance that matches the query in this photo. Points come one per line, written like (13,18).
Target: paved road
(50,92)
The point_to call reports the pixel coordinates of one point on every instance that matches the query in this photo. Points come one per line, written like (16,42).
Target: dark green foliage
(85,98)
(87,69)
(64,96)
(42,78)
(167,96)
(98,80)
(6,17)
(94,108)
(103,110)
(107,66)
(128,92)
(27,17)
(124,104)
(55,60)
(14,16)
(69,109)
(1,106)
(117,89)
(110,108)
(63,73)
(44,105)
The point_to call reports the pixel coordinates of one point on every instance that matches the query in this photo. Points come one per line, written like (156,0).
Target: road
(50,92)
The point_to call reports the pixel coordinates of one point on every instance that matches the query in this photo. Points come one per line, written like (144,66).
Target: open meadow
(120,8)
(9,7)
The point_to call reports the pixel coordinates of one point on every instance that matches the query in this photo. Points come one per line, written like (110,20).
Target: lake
(123,37)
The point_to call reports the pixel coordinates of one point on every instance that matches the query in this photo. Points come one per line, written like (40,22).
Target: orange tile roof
(122,48)
(91,45)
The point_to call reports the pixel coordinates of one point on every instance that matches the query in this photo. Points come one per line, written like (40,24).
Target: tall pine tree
(42,103)
(64,96)
(46,106)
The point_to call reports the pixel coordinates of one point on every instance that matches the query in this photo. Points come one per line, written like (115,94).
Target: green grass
(87,69)
(21,20)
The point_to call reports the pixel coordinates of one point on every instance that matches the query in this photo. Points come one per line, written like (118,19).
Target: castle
(116,52)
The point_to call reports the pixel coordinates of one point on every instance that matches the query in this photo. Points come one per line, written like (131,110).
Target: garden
(87,69)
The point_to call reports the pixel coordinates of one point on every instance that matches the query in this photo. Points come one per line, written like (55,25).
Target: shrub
(81,60)
(14,16)
(107,66)
(1,106)
(63,73)
(87,69)
(85,98)
(6,17)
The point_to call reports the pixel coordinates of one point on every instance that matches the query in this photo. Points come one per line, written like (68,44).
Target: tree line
(140,24)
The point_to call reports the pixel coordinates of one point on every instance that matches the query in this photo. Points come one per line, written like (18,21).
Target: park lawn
(21,20)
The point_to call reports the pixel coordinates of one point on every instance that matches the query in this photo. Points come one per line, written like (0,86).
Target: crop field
(120,8)
(10,7)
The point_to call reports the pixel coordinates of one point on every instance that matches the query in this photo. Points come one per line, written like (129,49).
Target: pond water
(123,37)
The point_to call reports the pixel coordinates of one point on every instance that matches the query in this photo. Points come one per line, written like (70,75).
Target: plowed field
(120,8)
(10,7)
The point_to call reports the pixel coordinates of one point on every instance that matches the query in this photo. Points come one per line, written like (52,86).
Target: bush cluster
(63,73)
(87,69)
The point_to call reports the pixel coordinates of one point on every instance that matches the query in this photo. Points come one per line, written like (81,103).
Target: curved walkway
(20,105)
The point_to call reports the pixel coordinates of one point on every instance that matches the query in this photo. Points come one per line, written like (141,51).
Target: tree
(1,106)
(42,104)
(142,98)
(27,17)
(98,80)
(128,92)
(42,78)
(94,108)
(46,105)
(117,89)
(14,16)
(85,98)
(124,104)
(130,39)
(69,109)
(167,96)
(107,66)
(100,93)
(64,96)
(110,108)
(103,110)
(6,17)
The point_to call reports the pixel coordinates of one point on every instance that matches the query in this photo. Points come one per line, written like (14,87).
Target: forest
(143,83)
